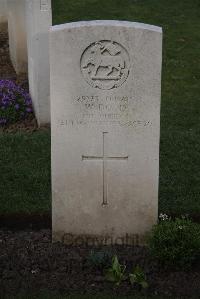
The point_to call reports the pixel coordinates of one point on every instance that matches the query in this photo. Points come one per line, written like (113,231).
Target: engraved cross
(104,158)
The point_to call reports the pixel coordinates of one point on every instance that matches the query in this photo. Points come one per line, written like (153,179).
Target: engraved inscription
(76,122)
(94,110)
(105,64)
(98,104)
(104,158)
(44,5)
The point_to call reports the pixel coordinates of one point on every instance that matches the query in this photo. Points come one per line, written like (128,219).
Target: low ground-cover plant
(15,103)
(117,273)
(138,277)
(175,243)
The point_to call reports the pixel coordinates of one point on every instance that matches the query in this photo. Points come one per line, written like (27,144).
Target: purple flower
(29,110)
(3,121)
(17,106)
(15,102)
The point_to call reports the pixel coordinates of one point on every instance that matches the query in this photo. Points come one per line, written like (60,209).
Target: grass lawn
(25,172)
(25,158)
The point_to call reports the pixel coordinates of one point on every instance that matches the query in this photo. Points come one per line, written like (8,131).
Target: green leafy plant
(116,273)
(100,259)
(138,277)
(175,243)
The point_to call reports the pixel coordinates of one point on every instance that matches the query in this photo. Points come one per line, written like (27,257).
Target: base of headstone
(99,240)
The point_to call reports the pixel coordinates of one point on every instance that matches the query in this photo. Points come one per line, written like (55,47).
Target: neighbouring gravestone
(105,117)
(38,22)
(17,35)
(3,12)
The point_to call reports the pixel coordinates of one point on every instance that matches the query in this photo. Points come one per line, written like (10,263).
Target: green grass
(25,172)
(180,114)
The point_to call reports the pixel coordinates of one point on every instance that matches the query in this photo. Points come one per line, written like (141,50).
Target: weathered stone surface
(3,12)
(105,116)
(38,22)
(17,34)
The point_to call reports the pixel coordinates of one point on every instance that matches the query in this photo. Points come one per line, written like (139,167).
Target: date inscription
(98,110)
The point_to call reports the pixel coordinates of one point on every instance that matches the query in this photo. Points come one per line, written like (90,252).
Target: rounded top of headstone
(113,23)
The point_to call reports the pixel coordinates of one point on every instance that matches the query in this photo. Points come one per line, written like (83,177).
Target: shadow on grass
(48,296)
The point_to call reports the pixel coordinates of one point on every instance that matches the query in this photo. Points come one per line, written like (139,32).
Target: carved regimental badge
(105,64)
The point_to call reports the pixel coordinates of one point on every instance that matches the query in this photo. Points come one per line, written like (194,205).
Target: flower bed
(15,103)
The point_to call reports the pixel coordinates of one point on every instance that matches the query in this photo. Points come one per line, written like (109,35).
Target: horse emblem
(105,64)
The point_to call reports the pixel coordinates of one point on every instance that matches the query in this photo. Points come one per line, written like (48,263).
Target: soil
(30,263)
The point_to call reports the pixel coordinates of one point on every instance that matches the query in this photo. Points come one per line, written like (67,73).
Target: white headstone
(3,12)
(17,35)
(38,22)
(105,117)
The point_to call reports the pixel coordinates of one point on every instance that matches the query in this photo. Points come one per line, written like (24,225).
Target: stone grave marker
(3,12)
(105,116)
(38,22)
(17,35)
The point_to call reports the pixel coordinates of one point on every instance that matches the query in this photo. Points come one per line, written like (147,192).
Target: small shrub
(100,259)
(15,103)
(176,243)
(116,273)
(138,277)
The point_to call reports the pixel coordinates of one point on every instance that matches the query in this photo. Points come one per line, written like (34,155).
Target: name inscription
(108,103)
(100,110)
(44,5)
